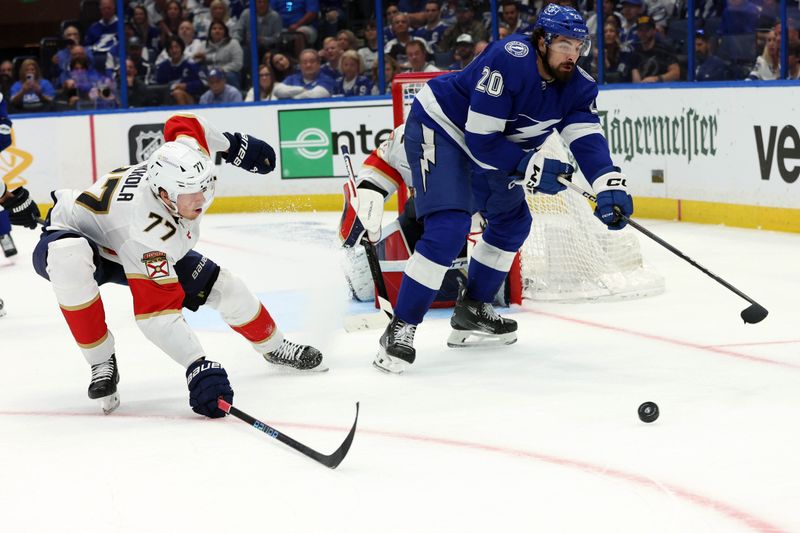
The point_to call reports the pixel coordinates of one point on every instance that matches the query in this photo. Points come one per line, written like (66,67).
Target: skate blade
(388,364)
(109,403)
(478,339)
(289,369)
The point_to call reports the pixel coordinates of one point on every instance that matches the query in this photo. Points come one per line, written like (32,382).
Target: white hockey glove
(363,213)
(540,169)
(613,200)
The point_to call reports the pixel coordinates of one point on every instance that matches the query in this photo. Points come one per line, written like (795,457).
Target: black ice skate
(7,244)
(297,356)
(103,386)
(397,347)
(476,323)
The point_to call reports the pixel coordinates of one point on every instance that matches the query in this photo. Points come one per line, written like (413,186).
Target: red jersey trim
(382,167)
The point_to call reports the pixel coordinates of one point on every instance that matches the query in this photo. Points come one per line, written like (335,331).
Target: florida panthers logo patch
(156,264)
(516,48)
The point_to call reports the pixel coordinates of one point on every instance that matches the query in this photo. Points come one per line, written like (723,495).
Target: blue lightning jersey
(499,107)
(5,131)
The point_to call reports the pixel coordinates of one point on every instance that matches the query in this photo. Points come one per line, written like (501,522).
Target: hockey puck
(648,412)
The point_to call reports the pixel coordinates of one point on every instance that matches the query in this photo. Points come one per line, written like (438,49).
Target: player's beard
(559,72)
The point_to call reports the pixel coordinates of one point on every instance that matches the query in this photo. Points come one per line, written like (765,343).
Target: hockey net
(569,255)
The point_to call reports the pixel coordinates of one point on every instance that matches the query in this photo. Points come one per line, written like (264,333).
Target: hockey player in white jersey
(138,226)
(472,137)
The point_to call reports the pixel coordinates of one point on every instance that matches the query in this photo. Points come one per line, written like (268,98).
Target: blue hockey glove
(208,381)
(22,210)
(250,153)
(611,190)
(5,133)
(540,173)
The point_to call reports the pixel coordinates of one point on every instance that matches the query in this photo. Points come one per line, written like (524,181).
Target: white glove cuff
(610,181)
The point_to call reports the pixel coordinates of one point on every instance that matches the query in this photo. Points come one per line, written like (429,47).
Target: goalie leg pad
(71,269)
(244,313)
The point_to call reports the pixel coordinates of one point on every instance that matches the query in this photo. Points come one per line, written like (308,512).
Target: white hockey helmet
(181,169)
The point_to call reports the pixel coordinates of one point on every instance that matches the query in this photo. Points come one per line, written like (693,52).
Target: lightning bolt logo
(534,130)
(428,155)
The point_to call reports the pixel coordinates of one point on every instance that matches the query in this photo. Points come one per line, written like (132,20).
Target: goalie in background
(138,227)
(379,177)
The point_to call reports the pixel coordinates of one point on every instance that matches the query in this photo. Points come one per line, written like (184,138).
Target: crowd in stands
(198,51)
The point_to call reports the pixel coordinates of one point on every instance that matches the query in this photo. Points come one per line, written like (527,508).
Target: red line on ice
(741,516)
(669,340)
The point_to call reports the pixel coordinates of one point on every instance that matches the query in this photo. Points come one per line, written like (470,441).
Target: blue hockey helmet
(565,21)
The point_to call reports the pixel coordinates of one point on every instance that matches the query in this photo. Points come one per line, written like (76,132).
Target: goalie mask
(180,169)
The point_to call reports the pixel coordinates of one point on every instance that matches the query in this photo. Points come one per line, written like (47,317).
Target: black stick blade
(754,314)
(333,460)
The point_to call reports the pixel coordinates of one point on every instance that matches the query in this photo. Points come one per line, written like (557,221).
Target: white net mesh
(569,254)
(410,89)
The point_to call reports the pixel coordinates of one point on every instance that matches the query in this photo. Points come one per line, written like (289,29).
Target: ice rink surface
(539,436)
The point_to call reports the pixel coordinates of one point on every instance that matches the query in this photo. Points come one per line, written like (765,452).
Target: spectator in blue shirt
(183,76)
(740,17)
(352,82)
(31,93)
(333,55)
(309,82)
(434,28)
(512,20)
(148,35)
(631,10)
(219,92)
(300,16)
(102,35)
(709,67)
(85,88)
(415,10)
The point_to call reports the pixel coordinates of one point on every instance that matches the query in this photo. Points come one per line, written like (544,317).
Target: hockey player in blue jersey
(474,143)
(16,207)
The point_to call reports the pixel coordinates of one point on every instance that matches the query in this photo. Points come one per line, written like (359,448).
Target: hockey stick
(372,256)
(753,314)
(331,461)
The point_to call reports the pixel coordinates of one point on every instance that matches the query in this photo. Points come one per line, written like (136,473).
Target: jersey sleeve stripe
(482,124)
(382,167)
(573,132)
(428,101)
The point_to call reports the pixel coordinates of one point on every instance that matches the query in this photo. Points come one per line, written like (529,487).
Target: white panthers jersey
(134,228)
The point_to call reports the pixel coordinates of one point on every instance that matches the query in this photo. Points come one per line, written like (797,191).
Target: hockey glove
(613,199)
(540,173)
(5,133)
(22,210)
(208,381)
(363,213)
(250,153)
